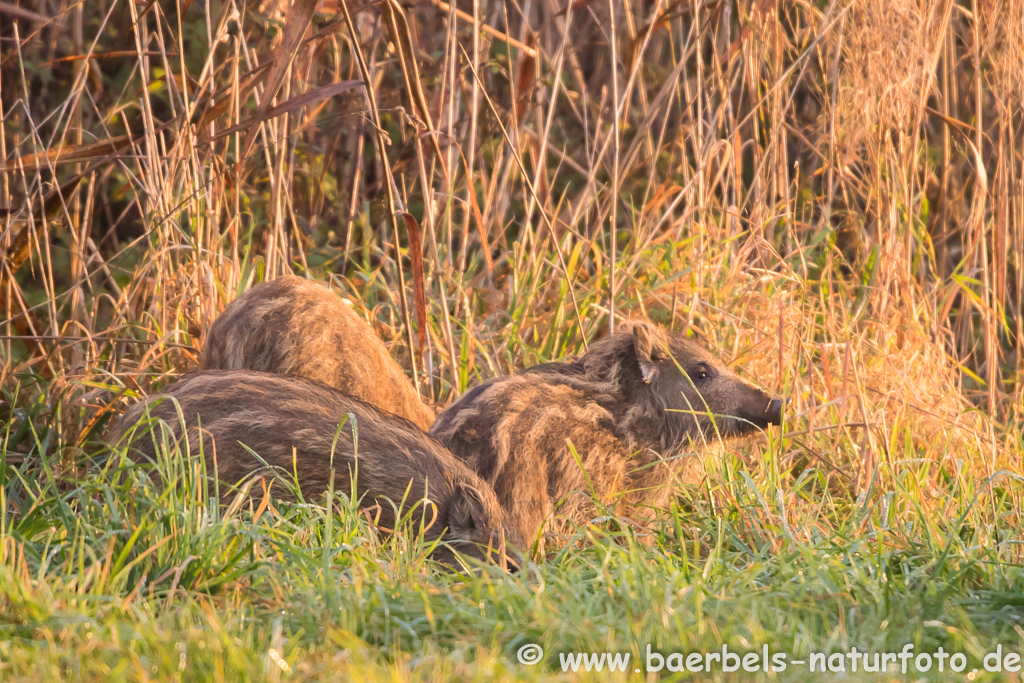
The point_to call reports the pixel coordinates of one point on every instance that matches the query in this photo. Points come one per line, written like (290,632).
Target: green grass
(110,578)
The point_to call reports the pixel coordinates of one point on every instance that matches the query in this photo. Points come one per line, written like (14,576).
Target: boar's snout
(774,411)
(764,411)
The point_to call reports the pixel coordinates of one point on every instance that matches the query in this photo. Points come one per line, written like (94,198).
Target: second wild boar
(297,327)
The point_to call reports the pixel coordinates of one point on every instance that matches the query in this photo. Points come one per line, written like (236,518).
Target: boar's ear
(646,347)
(466,512)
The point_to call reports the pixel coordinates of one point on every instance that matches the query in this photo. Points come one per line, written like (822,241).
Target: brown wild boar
(631,406)
(297,327)
(273,414)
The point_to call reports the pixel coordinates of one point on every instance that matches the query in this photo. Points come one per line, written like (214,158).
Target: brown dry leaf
(299,16)
(525,78)
(575,5)
(294,104)
(65,154)
(661,195)
(223,105)
(419,292)
(107,55)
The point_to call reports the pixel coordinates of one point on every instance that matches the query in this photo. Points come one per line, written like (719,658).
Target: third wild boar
(292,424)
(296,327)
(629,407)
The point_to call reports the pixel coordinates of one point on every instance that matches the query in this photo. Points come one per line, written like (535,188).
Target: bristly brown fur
(276,415)
(297,327)
(625,407)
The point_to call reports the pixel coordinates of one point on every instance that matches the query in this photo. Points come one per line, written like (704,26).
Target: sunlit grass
(112,577)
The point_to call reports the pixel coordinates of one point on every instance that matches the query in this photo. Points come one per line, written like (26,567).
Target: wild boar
(390,458)
(629,407)
(297,327)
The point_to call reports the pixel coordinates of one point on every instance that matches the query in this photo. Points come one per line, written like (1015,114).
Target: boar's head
(676,390)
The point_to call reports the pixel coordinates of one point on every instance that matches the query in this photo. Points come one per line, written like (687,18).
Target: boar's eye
(701,372)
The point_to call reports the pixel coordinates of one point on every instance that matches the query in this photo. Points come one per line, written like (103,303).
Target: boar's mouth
(740,424)
(510,561)
(771,415)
